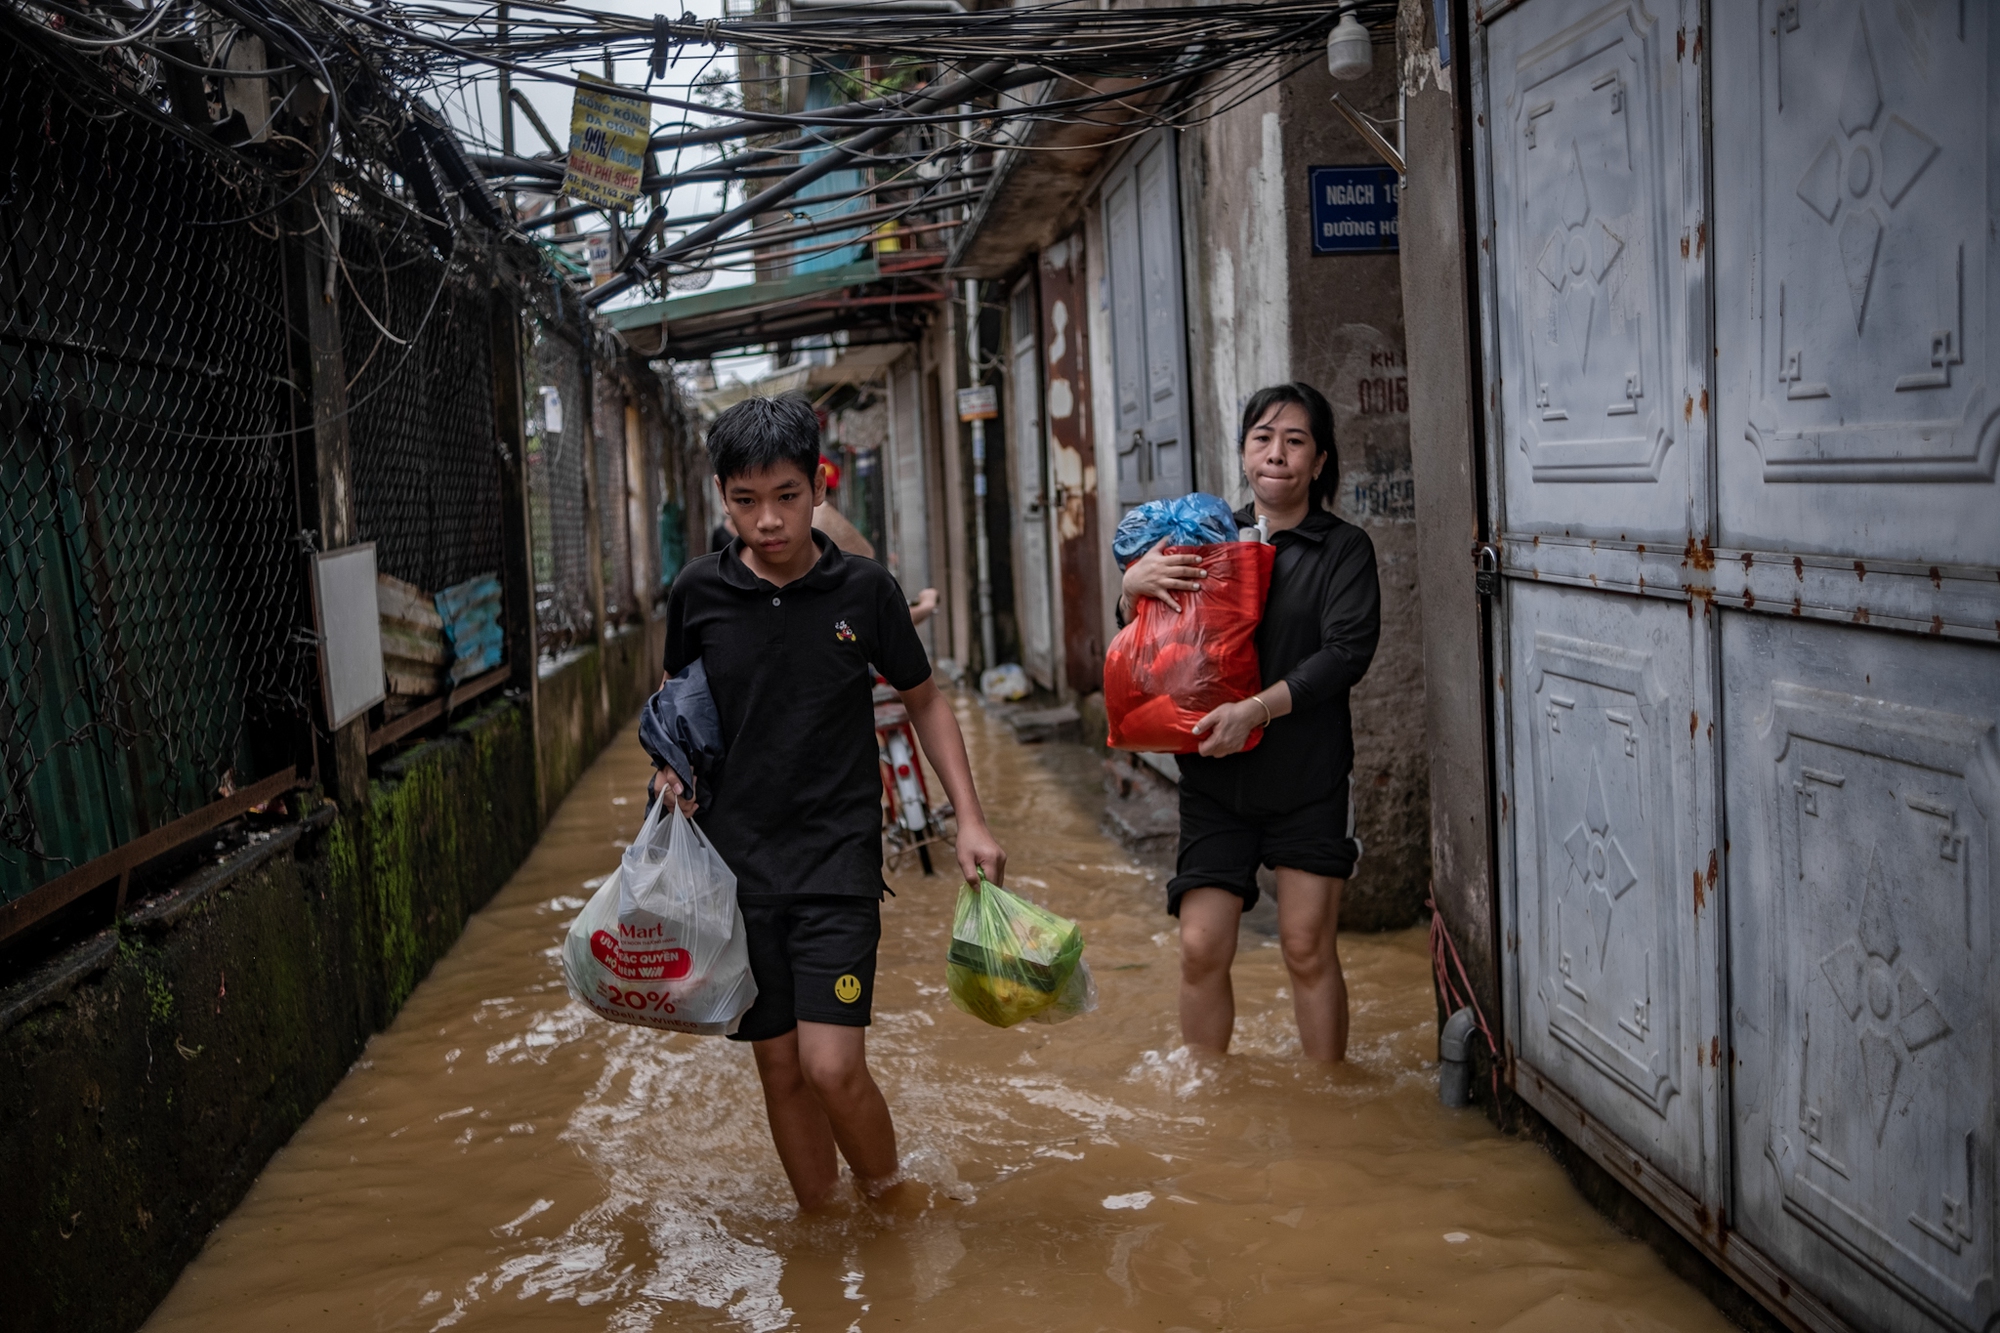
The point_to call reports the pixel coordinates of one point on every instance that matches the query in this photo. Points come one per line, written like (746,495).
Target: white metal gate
(1031,500)
(1142,242)
(1743,462)
(903,482)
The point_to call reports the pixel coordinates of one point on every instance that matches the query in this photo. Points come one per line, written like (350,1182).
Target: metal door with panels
(1746,681)
(1855,438)
(1594,314)
(1031,501)
(1142,242)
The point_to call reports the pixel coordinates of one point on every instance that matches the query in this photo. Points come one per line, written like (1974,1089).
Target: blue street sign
(1354,210)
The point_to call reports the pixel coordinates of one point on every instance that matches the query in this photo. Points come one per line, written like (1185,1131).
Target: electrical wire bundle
(394,101)
(303,118)
(1010,74)
(178,65)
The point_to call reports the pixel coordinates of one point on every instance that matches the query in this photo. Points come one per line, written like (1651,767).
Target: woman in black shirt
(1285,803)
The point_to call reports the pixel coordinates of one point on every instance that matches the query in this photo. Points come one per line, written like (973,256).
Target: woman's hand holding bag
(1176,663)
(1159,575)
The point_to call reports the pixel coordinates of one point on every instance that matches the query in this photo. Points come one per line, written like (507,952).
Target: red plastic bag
(1166,671)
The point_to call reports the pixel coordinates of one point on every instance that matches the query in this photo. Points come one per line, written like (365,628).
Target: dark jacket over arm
(679,728)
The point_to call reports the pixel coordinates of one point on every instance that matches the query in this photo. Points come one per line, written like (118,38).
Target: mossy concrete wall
(582,702)
(633,672)
(447,823)
(148,1074)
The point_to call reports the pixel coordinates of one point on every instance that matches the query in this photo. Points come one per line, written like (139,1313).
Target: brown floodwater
(502,1159)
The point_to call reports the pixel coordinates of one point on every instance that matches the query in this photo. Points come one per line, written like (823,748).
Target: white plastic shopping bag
(661,942)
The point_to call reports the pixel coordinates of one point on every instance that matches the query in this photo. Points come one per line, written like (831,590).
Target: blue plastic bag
(1199,519)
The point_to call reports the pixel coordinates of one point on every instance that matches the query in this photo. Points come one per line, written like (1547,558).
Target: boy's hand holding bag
(661,942)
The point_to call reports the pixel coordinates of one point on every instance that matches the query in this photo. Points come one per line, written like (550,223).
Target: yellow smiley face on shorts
(848,989)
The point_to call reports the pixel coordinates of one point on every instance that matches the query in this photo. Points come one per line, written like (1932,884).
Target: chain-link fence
(611,398)
(668,537)
(423,446)
(597,446)
(151,584)
(160,469)
(558,429)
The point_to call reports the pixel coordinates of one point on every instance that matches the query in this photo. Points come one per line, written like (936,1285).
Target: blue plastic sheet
(1199,519)
(471,614)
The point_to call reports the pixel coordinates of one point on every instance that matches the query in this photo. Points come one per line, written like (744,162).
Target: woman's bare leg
(1308,930)
(1208,946)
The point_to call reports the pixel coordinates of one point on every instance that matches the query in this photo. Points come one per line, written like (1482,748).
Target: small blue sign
(1354,210)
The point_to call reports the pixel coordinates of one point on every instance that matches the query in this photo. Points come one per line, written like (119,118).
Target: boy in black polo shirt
(787,626)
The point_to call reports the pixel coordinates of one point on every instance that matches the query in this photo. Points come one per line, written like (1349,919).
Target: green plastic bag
(1011,960)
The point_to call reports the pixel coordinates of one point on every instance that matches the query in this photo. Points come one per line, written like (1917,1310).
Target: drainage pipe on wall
(1455,1059)
(982,557)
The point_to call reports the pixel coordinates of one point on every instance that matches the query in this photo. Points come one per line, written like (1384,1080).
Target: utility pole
(981,550)
(507,111)
(506,90)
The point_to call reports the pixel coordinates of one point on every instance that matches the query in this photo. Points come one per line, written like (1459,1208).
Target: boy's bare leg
(1308,930)
(818,1093)
(798,1122)
(835,1060)
(1208,946)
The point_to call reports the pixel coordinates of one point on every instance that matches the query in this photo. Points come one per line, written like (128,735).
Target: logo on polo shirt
(848,989)
(842,632)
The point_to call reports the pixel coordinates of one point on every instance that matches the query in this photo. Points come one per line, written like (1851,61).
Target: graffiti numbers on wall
(1380,395)
(1385,389)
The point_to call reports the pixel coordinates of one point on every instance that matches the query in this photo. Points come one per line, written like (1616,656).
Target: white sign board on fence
(350,632)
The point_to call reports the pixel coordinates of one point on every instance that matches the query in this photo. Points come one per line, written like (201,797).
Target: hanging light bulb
(1349,52)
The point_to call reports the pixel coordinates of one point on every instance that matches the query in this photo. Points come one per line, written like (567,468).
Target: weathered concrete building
(1266,308)
(1150,284)
(1121,287)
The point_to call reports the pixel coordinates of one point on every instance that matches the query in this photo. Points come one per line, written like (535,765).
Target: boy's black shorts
(1222,847)
(813,958)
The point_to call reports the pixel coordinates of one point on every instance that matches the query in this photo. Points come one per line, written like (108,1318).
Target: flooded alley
(501,1159)
(1590,398)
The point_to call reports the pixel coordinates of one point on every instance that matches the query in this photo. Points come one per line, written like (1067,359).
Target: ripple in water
(502,1159)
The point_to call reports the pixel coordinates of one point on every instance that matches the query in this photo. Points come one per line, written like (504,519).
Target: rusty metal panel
(1612,976)
(1864,788)
(1590,175)
(1949,601)
(1584,146)
(1856,363)
(1606,968)
(1800,586)
(1072,462)
(1856,452)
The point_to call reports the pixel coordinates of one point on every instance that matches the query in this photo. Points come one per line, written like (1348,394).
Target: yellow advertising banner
(607,145)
